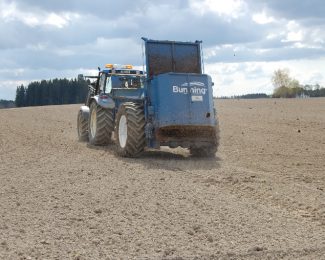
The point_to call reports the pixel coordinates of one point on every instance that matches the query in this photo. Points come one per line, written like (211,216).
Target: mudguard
(105,101)
(85,112)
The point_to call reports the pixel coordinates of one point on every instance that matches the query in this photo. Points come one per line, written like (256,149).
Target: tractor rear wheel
(209,150)
(130,135)
(82,127)
(100,124)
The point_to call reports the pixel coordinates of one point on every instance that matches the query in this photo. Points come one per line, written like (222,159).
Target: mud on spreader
(169,105)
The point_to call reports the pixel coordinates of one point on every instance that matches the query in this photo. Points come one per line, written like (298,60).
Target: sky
(244,41)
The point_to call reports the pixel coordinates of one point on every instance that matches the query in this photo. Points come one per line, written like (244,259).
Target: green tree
(281,78)
(20,100)
(284,85)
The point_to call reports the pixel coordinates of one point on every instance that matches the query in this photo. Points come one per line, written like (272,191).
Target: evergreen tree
(20,100)
(52,92)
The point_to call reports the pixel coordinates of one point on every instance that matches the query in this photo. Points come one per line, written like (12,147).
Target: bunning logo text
(197,88)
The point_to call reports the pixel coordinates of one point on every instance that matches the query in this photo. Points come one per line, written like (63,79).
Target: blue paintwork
(175,92)
(127,95)
(181,99)
(136,93)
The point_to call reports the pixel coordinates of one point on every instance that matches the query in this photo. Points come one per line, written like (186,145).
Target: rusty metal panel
(169,56)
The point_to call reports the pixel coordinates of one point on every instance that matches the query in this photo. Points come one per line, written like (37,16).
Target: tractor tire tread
(135,129)
(82,125)
(105,125)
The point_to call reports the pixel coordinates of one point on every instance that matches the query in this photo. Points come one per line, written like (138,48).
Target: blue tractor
(169,105)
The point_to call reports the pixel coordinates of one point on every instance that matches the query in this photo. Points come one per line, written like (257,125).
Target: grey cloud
(80,35)
(279,54)
(292,9)
(110,31)
(99,8)
(88,56)
(176,21)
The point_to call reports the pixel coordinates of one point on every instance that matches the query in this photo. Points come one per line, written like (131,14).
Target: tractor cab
(124,77)
(115,82)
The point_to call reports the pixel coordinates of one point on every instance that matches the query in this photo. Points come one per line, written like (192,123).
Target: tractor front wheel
(100,125)
(82,126)
(130,135)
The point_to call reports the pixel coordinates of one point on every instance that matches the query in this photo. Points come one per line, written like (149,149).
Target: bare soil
(262,197)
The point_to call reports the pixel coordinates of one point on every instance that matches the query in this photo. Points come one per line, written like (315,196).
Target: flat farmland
(262,197)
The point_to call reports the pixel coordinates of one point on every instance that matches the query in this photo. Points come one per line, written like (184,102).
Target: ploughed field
(262,197)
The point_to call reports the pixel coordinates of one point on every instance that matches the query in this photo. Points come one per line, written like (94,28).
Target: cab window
(127,82)
(102,83)
(108,86)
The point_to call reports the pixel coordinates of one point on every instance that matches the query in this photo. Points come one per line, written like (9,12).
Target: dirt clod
(98,211)
(257,249)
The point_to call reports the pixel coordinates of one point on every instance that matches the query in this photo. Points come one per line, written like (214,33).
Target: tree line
(287,87)
(247,96)
(73,91)
(6,103)
(52,92)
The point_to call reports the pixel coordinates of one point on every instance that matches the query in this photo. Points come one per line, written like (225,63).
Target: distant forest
(299,91)
(248,96)
(74,91)
(52,92)
(314,91)
(287,87)
(6,103)
(287,92)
